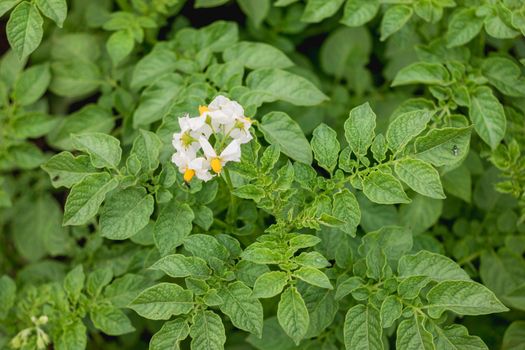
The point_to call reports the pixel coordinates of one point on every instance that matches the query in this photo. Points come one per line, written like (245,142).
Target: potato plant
(262,174)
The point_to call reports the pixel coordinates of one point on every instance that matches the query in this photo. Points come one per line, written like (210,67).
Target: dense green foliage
(379,205)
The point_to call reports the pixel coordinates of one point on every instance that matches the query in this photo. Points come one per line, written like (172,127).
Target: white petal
(233,109)
(176,141)
(204,175)
(181,160)
(232,152)
(205,130)
(199,163)
(218,102)
(220,118)
(196,123)
(241,136)
(184,123)
(207,148)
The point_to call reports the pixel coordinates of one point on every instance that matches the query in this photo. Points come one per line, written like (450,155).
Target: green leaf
(405,127)
(359,128)
(270,284)
(7,295)
(91,118)
(421,214)
(456,337)
(317,10)
(119,45)
(24,29)
(458,182)
(173,225)
(375,263)
(32,125)
(443,146)
(254,55)
(359,12)
(110,320)
(73,336)
(301,241)
(74,283)
(162,301)
(394,19)
(322,308)
(26,155)
(249,191)
(55,10)
(436,266)
(38,227)
(346,209)
(422,73)
(7,5)
(125,213)
(395,241)
(209,3)
(463,27)
(158,62)
(326,147)
(505,75)
(278,128)
(244,310)
(312,259)
(272,84)
(157,99)
(206,247)
(412,335)
(170,335)
(345,59)
(98,279)
(348,286)
(463,298)
(383,188)
(420,176)
(293,314)
(207,331)
(391,310)
(104,150)
(410,287)
(178,265)
(273,337)
(32,84)
(496,23)
(256,10)
(362,328)
(85,198)
(261,255)
(487,115)
(147,148)
(124,289)
(74,78)
(64,169)
(514,336)
(313,276)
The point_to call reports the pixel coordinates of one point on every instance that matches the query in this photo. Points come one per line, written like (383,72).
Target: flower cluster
(222,123)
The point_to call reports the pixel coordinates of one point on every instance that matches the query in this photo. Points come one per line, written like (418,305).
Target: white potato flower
(232,153)
(240,130)
(190,165)
(194,154)
(190,131)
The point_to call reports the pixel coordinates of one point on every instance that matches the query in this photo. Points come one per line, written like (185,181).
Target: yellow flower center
(216,165)
(189,174)
(239,125)
(203,109)
(186,139)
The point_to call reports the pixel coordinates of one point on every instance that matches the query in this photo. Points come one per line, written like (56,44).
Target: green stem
(231,216)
